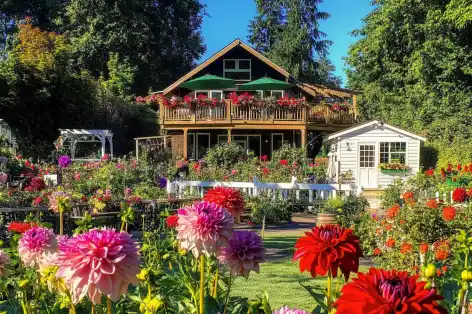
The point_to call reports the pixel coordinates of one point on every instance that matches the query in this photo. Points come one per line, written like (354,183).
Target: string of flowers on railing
(336,104)
(247,100)
(187,102)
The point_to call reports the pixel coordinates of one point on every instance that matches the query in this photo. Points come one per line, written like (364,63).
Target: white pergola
(74,136)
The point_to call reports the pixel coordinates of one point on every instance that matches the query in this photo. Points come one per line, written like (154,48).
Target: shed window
(393,152)
(237,69)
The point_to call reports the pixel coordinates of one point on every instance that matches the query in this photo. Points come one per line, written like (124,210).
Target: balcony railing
(233,114)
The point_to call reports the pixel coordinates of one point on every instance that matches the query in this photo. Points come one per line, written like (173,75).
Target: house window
(218,94)
(277,93)
(367,156)
(393,152)
(191,146)
(237,69)
(222,139)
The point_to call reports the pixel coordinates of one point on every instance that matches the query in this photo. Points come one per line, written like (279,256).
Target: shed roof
(79,132)
(374,123)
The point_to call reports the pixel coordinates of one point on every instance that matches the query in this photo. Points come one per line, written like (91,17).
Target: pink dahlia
(243,253)
(287,310)
(203,227)
(4,262)
(98,262)
(35,245)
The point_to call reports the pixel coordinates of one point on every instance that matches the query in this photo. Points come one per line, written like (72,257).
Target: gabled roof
(312,89)
(374,123)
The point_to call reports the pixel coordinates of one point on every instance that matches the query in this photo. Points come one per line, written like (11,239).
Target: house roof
(312,89)
(372,123)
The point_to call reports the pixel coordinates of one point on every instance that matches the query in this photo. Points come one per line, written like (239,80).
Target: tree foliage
(413,64)
(287,32)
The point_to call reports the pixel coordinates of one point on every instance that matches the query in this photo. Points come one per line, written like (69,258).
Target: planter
(457,183)
(326,219)
(321,160)
(394,171)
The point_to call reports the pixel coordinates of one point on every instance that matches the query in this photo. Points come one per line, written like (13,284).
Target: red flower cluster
(387,292)
(327,248)
(290,102)
(228,198)
(265,170)
(441,250)
(408,195)
(393,211)
(172,221)
(424,247)
(459,195)
(35,185)
(390,243)
(406,248)
(429,172)
(377,251)
(284,162)
(20,227)
(449,213)
(264,158)
(432,203)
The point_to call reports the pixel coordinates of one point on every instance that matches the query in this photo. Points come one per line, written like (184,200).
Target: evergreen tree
(287,32)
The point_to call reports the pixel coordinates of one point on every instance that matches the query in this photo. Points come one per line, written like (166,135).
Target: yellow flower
(143,275)
(182,252)
(23,283)
(151,305)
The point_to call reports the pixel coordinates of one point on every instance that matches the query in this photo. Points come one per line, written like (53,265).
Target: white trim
(277,90)
(372,123)
(272,141)
(237,69)
(196,143)
(247,141)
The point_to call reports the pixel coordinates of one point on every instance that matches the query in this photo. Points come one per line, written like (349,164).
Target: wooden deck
(233,116)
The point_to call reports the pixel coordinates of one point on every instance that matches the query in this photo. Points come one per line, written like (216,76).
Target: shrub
(292,155)
(275,211)
(353,208)
(392,194)
(224,155)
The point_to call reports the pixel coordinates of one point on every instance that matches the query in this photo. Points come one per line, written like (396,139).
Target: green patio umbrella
(265,83)
(208,81)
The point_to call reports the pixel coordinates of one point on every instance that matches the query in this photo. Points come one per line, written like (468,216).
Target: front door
(367,165)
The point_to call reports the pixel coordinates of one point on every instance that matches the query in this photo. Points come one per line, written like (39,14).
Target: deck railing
(229,112)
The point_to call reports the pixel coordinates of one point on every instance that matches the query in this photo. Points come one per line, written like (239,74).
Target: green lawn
(279,277)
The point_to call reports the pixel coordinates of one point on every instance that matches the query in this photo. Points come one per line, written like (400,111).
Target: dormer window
(237,69)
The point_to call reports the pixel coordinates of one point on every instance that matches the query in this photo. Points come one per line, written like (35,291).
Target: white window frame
(237,69)
(280,91)
(209,93)
(389,150)
(272,141)
(221,135)
(246,136)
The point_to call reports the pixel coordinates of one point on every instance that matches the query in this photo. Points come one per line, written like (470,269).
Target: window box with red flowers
(247,100)
(394,168)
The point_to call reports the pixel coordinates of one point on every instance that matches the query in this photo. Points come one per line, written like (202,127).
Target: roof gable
(374,123)
(221,53)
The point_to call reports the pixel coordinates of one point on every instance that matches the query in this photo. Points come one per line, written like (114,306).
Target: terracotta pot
(321,160)
(326,219)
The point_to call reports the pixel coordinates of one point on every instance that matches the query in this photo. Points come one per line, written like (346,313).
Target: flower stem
(202,284)
(329,293)
(122,228)
(72,308)
(93,309)
(215,286)
(109,307)
(61,222)
(227,293)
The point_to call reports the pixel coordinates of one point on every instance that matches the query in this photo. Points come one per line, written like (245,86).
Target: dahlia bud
(466,275)
(23,283)
(430,271)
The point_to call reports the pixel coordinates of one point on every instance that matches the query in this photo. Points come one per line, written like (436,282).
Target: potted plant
(329,212)
(393,168)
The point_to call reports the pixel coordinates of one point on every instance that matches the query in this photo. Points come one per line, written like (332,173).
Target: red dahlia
(172,221)
(459,195)
(393,211)
(227,198)
(390,243)
(449,213)
(387,292)
(424,247)
(432,203)
(429,172)
(328,248)
(20,227)
(406,248)
(284,162)
(377,251)
(408,195)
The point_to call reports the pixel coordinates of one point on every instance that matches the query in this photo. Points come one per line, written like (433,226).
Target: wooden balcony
(232,114)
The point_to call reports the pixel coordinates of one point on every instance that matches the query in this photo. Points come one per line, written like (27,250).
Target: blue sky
(229,19)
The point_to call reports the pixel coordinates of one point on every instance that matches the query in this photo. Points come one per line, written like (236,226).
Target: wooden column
(304,137)
(354,105)
(185,152)
(229,136)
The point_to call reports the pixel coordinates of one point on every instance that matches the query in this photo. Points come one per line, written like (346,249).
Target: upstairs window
(237,69)
(393,152)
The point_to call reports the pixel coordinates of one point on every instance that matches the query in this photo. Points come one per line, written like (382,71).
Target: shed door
(367,165)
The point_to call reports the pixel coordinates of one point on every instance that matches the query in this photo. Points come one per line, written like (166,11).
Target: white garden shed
(358,151)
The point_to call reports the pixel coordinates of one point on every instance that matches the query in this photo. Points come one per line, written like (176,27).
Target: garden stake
(215,286)
(61,222)
(93,310)
(109,307)
(202,284)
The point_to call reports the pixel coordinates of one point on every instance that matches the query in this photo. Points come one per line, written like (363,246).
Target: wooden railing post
(228,110)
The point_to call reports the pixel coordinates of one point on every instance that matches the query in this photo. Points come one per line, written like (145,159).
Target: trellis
(70,137)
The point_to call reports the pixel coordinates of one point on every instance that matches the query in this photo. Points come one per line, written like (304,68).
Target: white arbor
(71,137)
